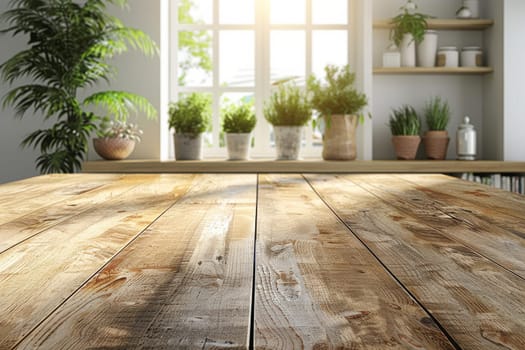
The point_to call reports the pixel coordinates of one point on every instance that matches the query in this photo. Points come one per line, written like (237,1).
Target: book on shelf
(511,183)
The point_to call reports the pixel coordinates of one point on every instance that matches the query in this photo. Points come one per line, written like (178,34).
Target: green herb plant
(337,96)
(404,121)
(238,118)
(409,22)
(70,45)
(288,106)
(191,114)
(437,114)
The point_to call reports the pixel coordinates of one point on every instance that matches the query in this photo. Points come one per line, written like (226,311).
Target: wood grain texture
(35,215)
(38,275)
(318,287)
(302,166)
(185,283)
(497,235)
(23,197)
(479,303)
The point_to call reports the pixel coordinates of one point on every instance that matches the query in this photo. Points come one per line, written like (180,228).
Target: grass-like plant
(437,114)
(338,95)
(70,45)
(288,106)
(409,22)
(404,121)
(238,118)
(191,114)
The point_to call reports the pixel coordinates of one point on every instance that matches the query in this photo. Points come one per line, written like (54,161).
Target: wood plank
(303,166)
(435,70)
(33,217)
(39,274)
(21,197)
(185,283)
(499,236)
(465,192)
(478,302)
(318,287)
(444,24)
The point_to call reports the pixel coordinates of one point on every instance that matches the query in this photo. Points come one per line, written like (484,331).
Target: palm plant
(69,46)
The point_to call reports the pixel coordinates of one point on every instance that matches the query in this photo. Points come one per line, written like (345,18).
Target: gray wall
(137,74)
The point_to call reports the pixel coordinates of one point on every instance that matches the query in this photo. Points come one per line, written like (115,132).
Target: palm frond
(121,103)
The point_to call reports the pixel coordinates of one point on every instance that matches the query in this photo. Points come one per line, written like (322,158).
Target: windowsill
(301,166)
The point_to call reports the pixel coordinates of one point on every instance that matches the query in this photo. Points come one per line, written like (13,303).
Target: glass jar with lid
(448,56)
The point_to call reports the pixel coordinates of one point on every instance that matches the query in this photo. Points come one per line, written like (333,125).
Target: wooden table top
(169,261)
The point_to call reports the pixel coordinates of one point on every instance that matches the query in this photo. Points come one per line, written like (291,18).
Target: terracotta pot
(238,146)
(288,142)
(339,137)
(188,146)
(406,146)
(436,144)
(113,148)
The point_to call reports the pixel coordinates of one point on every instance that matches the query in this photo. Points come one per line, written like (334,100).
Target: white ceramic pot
(188,146)
(238,146)
(288,142)
(408,51)
(427,49)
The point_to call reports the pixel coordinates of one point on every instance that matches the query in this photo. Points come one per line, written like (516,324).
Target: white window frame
(262,90)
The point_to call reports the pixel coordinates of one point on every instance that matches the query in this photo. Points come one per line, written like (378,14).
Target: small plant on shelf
(405,121)
(238,118)
(409,22)
(238,122)
(190,117)
(405,126)
(116,139)
(288,106)
(436,140)
(437,114)
(288,110)
(340,105)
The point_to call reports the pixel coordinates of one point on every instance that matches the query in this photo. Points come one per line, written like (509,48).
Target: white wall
(137,73)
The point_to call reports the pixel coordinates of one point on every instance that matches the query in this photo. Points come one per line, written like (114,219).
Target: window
(238,49)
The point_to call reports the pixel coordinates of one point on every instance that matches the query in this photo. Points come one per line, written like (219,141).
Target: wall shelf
(445,24)
(435,70)
(302,166)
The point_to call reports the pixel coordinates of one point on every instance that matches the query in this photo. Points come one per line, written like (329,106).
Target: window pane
(237,12)
(287,55)
(287,11)
(330,11)
(195,58)
(329,47)
(237,58)
(195,11)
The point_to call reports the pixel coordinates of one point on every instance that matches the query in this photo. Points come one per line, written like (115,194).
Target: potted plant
(288,110)
(405,126)
(116,139)
(70,47)
(409,28)
(238,123)
(340,104)
(436,140)
(190,117)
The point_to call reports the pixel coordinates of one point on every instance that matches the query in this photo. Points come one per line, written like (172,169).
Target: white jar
(473,6)
(471,56)
(448,56)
